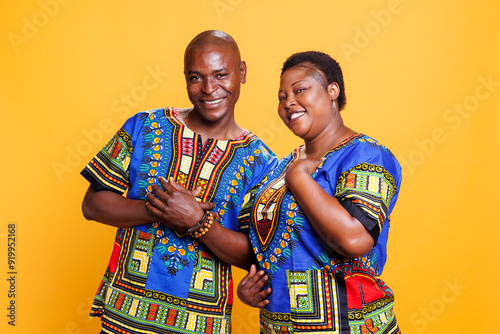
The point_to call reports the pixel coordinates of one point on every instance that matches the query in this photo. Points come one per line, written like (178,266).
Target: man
(164,277)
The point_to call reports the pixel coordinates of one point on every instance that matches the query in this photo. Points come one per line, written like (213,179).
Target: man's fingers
(207,205)
(196,191)
(253,270)
(167,186)
(261,282)
(155,202)
(174,184)
(262,304)
(158,191)
(250,273)
(254,277)
(261,297)
(153,210)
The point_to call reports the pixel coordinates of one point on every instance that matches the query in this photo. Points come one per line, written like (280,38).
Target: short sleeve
(109,169)
(366,191)
(265,161)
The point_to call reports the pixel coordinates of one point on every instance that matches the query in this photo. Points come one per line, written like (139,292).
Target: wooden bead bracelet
(202,227)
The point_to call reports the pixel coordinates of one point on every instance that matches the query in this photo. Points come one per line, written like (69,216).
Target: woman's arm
(113,209)
(341,231)
(177,208)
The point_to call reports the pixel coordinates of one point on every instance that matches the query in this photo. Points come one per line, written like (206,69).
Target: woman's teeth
(297,114)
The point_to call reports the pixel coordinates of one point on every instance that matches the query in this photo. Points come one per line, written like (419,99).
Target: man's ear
(243,72)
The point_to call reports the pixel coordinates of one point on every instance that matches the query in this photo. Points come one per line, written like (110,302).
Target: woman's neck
(317,147)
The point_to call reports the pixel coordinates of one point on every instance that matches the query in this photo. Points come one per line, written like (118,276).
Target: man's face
(213,76)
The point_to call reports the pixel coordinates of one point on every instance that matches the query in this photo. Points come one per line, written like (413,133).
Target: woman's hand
(176,207)
(250,288)
(300,167)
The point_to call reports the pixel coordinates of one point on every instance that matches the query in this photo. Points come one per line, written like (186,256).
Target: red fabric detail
(362,289)
(113,261)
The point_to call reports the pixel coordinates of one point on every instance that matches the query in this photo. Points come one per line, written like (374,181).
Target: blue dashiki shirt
(160,280)
(315,289)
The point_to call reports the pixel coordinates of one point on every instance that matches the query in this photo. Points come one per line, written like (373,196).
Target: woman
(319,222)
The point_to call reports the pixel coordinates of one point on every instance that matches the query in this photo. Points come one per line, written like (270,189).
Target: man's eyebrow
(215,71)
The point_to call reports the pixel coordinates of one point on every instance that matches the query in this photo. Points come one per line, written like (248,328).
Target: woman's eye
(281,98)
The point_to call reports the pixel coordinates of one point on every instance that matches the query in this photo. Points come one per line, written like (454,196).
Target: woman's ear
(333,90)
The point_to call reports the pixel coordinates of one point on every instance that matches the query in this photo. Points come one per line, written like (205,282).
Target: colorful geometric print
(193,165)
(110,166)
(135,259)
(317,305)
(161,280)
(122,299)
(265,211)
(274,204)
(176,252)
(303,269)
(314,301)
(124,313)
(210,284)
(368,186)
(378,317)
(370,305)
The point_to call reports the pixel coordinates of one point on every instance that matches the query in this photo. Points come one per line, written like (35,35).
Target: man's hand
(176,206)
(250,288)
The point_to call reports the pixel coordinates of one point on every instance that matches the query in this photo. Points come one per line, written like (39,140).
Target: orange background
(422,77)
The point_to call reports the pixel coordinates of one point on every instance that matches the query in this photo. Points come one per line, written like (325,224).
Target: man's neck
(224,129)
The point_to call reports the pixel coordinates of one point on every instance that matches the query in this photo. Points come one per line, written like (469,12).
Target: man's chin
(213,114)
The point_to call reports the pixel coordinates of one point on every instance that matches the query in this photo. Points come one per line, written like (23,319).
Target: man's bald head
(214,72)
(213,39)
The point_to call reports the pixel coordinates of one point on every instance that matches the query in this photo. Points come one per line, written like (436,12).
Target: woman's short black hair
(323,63)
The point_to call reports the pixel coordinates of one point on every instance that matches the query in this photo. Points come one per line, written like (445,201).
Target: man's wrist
(197,226)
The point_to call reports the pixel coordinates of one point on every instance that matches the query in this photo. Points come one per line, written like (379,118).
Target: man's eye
(195,78)
(221,75)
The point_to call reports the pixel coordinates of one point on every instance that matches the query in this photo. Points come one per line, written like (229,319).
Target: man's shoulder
(159,112)
(153,115)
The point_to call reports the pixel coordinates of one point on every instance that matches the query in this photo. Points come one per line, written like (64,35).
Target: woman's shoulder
(362,149)
(368,143)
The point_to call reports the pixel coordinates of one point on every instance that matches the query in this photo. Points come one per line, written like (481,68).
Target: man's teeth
(213,102)
(297,114)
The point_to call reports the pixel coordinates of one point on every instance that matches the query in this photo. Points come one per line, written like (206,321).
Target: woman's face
(305,106)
